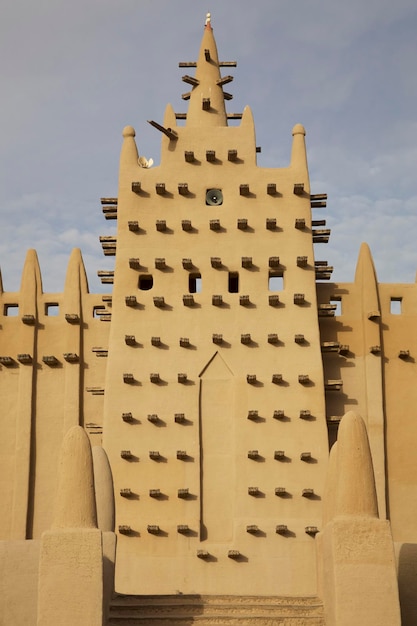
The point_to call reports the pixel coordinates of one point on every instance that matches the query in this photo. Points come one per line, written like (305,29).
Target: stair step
(183,610)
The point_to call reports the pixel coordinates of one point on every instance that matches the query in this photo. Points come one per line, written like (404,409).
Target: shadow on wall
(407,583)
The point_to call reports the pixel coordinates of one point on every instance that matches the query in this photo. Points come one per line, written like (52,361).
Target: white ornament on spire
(208,18)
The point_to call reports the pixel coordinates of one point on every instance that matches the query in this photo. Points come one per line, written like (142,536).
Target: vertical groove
(216,440)
(32,444)
(25,452)
(203,529)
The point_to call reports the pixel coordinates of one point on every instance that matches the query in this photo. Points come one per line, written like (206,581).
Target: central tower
(214,417)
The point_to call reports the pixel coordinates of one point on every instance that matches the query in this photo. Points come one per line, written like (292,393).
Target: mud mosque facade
(165,447)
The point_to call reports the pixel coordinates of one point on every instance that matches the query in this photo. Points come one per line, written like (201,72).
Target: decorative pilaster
(75,288)
(366,281)
(70,587)
(356,563)
(30,290)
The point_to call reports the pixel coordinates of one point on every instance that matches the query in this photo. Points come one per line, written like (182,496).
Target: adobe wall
(378,373)
(248,416)
(19,582)
(50,375)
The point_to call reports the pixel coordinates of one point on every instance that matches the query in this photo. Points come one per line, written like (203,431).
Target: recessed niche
(233,285)
(145,282)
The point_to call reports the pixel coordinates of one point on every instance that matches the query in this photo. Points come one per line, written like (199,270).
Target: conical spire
(129,154)
(366,279)
(75,505)
(365,269)
(356,493)
(76,280)
(207,106)
(31,284)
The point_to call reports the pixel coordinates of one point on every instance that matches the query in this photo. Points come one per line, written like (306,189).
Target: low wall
(19,563)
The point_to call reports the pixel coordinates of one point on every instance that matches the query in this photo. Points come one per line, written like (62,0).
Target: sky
(73,74)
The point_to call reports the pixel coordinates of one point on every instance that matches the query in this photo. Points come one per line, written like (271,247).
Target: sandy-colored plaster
(19,565)
(216,398)
(99,377)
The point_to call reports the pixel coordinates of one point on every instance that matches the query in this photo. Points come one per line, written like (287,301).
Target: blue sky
(73,74)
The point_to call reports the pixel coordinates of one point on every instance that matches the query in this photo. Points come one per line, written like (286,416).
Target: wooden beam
(191,80)
(171,134)
(224,80)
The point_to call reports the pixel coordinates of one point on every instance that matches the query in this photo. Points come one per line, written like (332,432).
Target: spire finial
(207,105)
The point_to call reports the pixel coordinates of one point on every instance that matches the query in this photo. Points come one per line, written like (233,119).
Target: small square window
(11,310)
(276,281)
(51,309)
(98,311)
(396,306)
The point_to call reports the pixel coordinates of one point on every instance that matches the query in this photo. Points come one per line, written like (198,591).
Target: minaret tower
(214,419)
